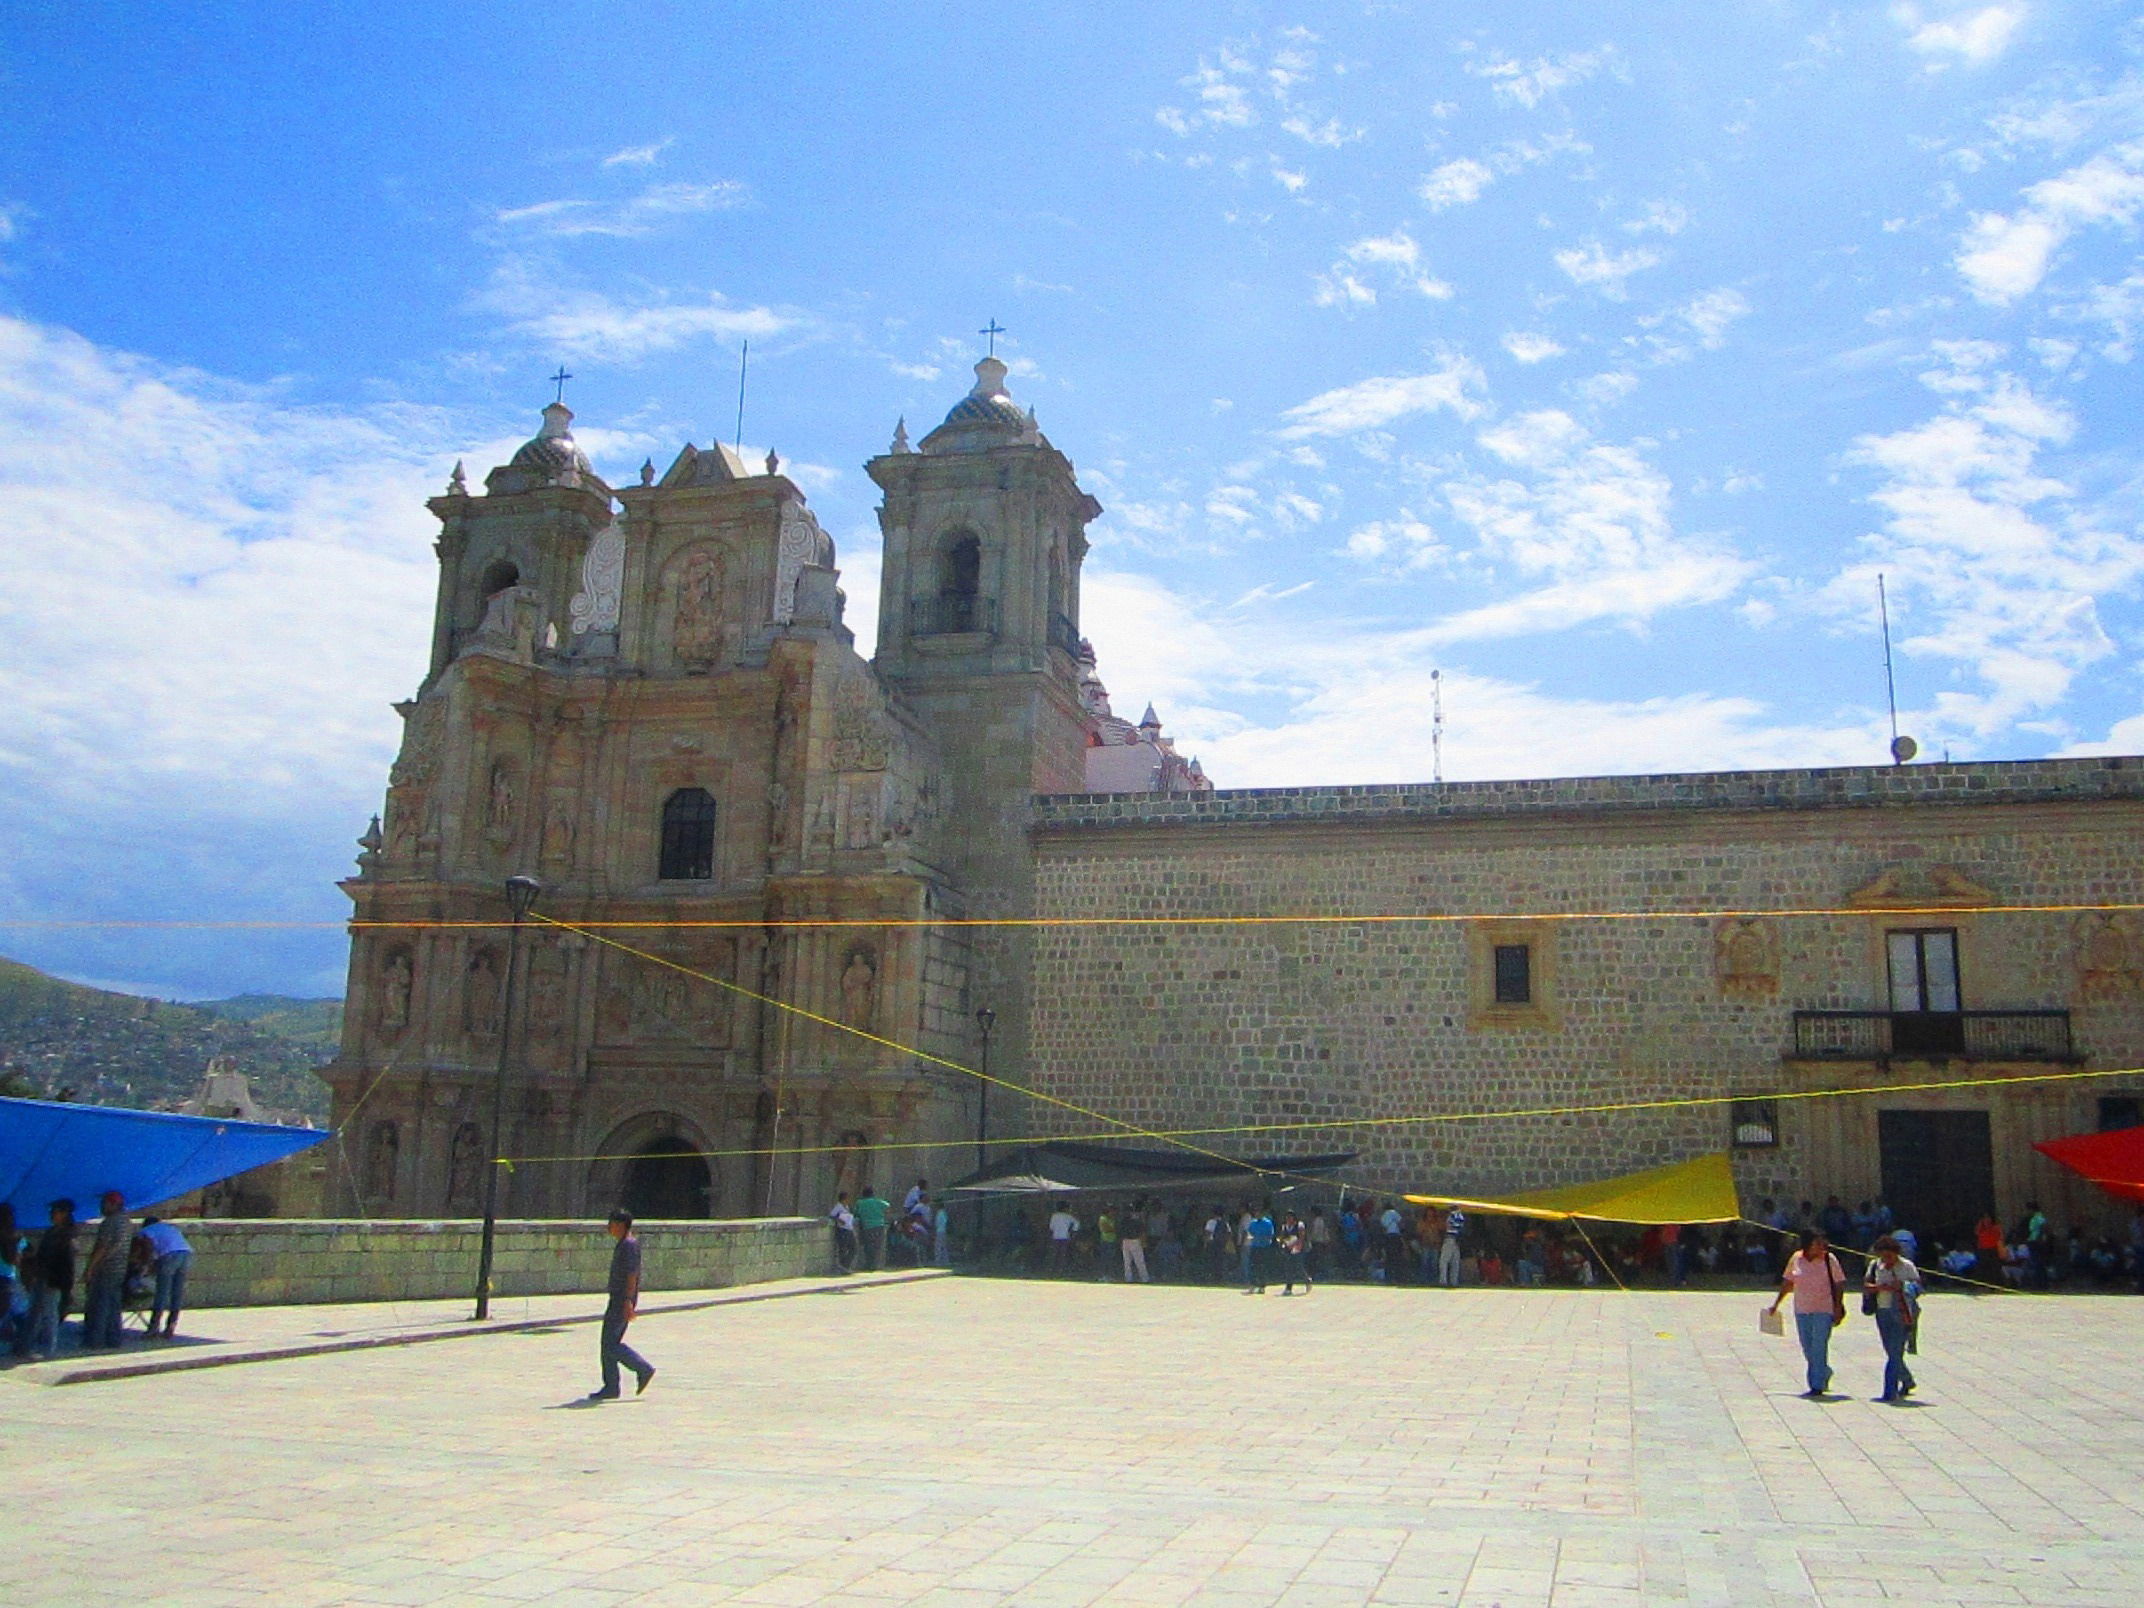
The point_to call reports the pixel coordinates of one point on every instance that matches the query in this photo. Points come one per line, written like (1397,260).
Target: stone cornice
(2007,782)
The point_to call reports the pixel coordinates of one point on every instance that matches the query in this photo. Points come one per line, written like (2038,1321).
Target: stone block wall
(260,1263)
(1190,1019)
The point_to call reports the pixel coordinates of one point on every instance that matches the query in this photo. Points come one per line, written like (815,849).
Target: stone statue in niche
(665,997)
(481,995)
(397,977)
(862,825)
(1746,959)
(558,829)
(859,988)
(2108,963)
(503,797)
(696,621)
(859,739)
(464,1165)
(383,1155)
(547,991)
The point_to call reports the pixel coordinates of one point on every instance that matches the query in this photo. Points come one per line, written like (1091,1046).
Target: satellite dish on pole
(1903,749)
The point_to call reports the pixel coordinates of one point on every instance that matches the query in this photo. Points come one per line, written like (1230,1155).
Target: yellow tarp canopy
(1701,1190)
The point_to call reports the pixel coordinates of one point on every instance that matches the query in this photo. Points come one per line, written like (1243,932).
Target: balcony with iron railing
(1886,1036)
(952,614)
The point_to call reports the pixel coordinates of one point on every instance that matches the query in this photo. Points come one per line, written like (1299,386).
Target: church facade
(646,697)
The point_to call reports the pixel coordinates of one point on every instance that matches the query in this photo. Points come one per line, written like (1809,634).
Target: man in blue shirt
(1258,1251)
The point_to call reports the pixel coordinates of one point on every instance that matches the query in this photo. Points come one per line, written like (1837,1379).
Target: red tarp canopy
(2113,1160)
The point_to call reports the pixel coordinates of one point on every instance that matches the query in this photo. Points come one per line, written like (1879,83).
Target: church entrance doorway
(668,1180)
(1938,1171)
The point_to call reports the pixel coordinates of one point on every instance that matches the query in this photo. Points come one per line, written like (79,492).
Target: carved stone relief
(860,742)
(595,606)
(502,800)
(2110,963)
(696,622)
(1746,959)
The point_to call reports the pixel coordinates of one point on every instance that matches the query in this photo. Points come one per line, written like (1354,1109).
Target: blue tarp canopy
(48,1151)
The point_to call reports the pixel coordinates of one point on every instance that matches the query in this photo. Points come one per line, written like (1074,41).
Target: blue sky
(1596,357)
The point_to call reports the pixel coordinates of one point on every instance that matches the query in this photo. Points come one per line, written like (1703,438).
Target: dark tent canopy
(1067,1167)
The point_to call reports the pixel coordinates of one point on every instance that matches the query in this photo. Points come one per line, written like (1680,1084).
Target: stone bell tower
(985,529)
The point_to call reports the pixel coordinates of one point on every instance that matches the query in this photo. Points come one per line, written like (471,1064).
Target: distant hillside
(60,1038)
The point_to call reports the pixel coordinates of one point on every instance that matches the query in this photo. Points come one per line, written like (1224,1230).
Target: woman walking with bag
(1892,1296)
(1818,1285)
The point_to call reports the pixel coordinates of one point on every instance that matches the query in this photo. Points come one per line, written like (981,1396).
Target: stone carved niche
(383,1155)
(558,829)
(547,993)
(2110,962)
(697,624)
(481,994)
(465,1166)
(398,976)
(1745,959)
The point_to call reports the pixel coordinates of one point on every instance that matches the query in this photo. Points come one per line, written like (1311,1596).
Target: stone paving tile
(975,1444)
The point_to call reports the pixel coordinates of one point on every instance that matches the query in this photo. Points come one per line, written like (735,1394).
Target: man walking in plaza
(844,1221)
(104,1279)
(871,1213)
(619,1312)
(1133,1240)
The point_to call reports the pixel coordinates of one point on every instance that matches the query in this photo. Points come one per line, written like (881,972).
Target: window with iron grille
(688,847)
(1753,1124)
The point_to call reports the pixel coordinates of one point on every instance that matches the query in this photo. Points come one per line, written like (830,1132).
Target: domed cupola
(986,417)
(549,458)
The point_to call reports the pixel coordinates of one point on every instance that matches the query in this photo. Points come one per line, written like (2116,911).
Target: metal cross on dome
(559,379)
(993,329)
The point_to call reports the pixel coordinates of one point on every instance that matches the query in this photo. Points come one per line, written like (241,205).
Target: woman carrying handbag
(1818,1284)
(1892,1296)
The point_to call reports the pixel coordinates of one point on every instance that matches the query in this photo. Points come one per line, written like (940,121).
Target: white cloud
(639,155)
(1395,256)
(1973,35)
(585,323)
(1593,264)
(1606,388)
(1660,217)
(2118,306)
(2004,256)
(1291,181)
(1456,183)
(1707,316)
(214,598)
(1993,563)
(1329,134)
(1527,347)
(1464,179)
(1354,702)
(1384,399)
(629,219)
(1530,83)
(1409,542)
(1588,520)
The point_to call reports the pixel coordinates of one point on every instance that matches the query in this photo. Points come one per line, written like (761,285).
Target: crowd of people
(126,1266)
(869,1235)
(1366,1239)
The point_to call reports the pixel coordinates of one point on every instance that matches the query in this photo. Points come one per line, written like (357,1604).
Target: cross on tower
(993,329)
(559,379)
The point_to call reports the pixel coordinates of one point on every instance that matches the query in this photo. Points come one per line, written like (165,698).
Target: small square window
(1514,974)
(1754,1124)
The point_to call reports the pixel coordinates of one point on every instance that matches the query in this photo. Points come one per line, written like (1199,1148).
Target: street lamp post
(985,1019)
(521,892)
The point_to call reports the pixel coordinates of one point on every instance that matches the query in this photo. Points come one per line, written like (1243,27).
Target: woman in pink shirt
(1818,1285)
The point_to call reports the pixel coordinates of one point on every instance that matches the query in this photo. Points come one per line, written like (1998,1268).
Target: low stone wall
(273,1262)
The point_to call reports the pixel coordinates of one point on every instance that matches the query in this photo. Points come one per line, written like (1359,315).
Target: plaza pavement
(991,1444)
